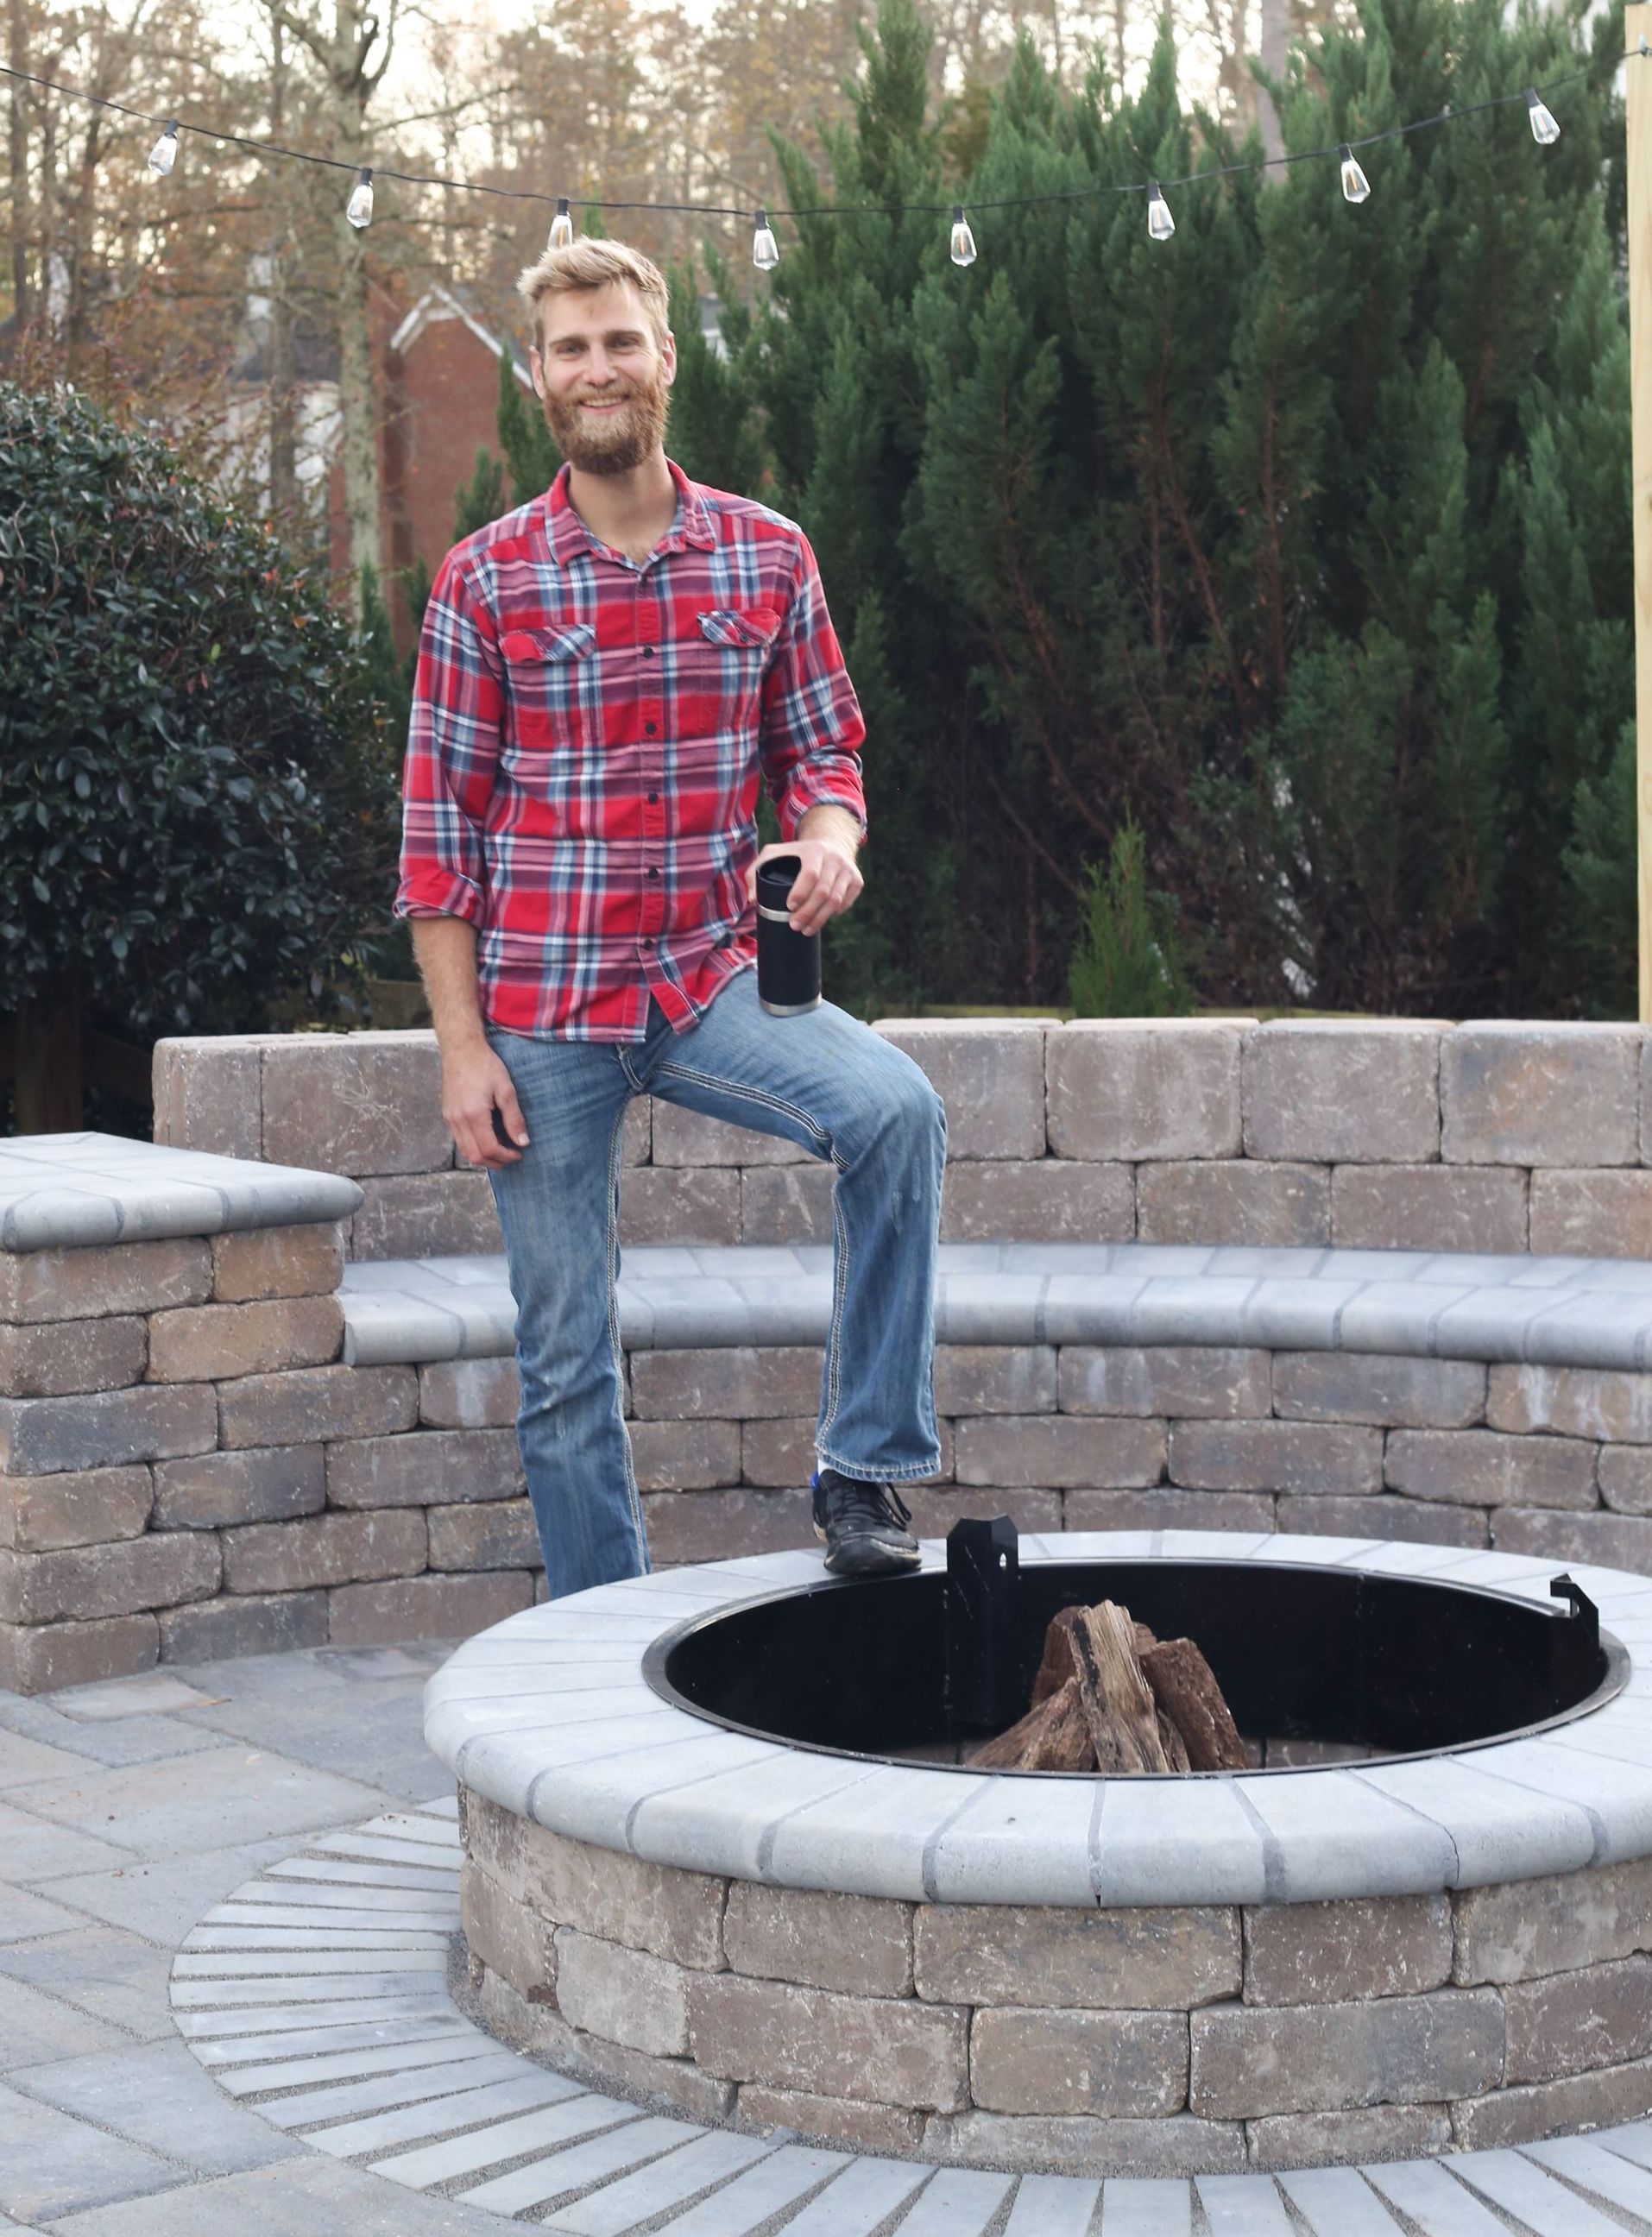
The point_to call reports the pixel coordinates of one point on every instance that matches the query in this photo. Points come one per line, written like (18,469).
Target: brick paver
(314,2051)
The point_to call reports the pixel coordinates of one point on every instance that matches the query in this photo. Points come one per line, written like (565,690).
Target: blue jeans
(821,1080)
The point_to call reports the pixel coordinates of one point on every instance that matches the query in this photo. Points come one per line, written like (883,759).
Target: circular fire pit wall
(720,1847)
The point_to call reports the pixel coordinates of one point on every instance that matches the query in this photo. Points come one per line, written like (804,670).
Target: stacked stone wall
(1372,1135)
(1153,2042)
(188,1469)
(189,1473)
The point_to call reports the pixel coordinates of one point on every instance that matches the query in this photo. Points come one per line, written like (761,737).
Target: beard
(618,441)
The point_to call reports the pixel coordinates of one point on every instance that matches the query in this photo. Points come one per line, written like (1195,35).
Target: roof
(440,303)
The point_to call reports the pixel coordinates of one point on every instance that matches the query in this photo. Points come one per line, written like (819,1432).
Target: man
(604,677)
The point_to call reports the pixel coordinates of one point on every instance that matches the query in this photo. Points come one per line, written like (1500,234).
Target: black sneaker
(864,1526)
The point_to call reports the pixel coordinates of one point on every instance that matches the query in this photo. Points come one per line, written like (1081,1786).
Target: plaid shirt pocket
(751,628)
(555,700)
(721,671)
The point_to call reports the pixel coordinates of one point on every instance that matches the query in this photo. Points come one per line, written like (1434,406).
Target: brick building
(438,375)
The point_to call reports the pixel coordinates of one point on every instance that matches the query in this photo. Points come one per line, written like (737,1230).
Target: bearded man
(604,676)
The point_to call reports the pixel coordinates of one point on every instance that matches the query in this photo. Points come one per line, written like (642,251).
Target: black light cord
(268,148)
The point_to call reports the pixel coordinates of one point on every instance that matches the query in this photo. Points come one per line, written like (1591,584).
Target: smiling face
(604,377)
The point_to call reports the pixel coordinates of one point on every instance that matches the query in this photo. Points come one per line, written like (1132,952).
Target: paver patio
(261,1842)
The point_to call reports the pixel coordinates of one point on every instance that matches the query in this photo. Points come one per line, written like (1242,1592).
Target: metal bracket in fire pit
(1575,1642)
(982,1679)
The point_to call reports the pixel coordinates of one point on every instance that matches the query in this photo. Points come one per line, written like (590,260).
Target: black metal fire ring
(830,1653)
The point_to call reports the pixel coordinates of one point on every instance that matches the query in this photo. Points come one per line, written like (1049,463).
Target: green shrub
(1127,962)
(198,788)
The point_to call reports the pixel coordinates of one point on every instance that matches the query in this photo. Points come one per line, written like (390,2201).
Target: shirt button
(652,796)
(648,652)
(649,942)
(653,874)
(649,728)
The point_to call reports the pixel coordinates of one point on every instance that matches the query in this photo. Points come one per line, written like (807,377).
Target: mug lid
(777,877)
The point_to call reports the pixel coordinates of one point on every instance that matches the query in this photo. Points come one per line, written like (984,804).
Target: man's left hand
(827,883)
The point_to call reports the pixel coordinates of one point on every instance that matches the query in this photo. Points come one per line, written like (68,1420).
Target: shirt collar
(569,536)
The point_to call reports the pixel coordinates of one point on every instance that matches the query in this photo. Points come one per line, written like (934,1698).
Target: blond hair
(588,265)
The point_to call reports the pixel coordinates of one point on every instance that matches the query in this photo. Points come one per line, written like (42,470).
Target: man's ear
(668,352)
(536,367)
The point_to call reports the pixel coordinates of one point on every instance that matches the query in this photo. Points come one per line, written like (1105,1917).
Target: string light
(765,250)
(1544,130)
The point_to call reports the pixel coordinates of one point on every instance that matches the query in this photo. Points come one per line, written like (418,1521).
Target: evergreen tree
(390,678)
(713,435)
(1303,539)
(1127,961)
(481,499)
(530,448)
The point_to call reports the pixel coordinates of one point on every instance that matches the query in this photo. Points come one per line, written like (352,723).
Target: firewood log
(1109,1695)
(1172,1744)
(1185,1687)
(1052,1735)
(1117,1701)
(1063,1741)
(1058,1665)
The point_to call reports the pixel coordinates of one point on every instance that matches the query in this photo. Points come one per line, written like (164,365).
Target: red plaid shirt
(587,738)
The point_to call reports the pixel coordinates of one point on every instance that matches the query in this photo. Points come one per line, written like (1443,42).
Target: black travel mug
(788,961)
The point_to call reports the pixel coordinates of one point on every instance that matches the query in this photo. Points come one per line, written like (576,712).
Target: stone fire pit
(1281,1967)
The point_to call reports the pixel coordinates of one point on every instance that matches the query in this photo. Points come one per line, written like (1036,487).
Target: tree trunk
(279,366)
(351,90)
(18,57)
(358,413)
(1276,36)
(46,1075)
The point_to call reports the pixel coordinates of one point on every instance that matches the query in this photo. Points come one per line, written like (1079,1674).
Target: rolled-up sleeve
(452,755)
(811,728)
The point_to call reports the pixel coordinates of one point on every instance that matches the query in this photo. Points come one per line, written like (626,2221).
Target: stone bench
(1444,1305)
(74,1192)
(1192,1280)
(1470,1399)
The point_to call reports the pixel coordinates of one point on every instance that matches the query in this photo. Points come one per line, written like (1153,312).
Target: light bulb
(1356,186)
(358,209)
(963,241)
(561,225)
(1160,224)
(1544,130)
(164,153)
(765,250)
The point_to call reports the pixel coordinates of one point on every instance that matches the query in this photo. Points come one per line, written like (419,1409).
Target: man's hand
(475,1085)
(829,881)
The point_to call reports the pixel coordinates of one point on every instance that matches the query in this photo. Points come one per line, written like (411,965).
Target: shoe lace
(861,1503)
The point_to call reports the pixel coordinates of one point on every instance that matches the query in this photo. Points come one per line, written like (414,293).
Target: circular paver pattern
(315,1996)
